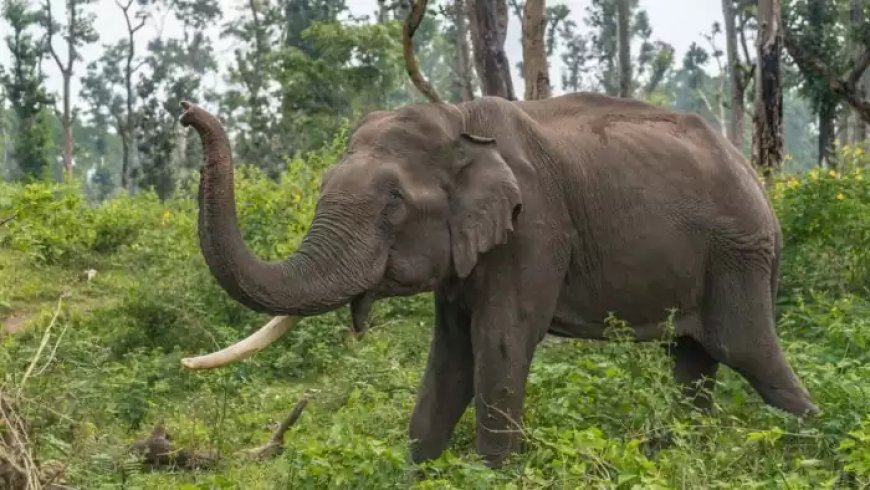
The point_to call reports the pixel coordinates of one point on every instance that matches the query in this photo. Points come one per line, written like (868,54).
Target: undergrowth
(598,414)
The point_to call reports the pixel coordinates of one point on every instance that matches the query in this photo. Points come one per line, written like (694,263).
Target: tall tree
(858,27)
(77,31)
(458,35)
(767,113)
(488,20)
(739,71)
(603,18)
(830,70)
(816,29)
(134,21)
(176,68)
(25,90)
(535,71)
(256,34)
(575,57)
(103,91)
(300,14)
(623,36)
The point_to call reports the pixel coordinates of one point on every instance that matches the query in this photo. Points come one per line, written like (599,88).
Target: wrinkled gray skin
(527,218)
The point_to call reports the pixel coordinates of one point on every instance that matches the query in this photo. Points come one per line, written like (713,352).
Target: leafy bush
(827,233)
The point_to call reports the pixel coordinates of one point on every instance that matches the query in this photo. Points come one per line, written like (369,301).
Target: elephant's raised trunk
(314,280)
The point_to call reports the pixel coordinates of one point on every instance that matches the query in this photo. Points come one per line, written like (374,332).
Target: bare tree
(767,115)
(77,32)
(738,76)
(488,21)
(134,22)
(623,39)
(535,71)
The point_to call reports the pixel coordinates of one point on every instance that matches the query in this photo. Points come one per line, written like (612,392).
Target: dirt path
(15,323)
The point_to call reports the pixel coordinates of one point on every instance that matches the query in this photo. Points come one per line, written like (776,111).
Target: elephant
(523,218)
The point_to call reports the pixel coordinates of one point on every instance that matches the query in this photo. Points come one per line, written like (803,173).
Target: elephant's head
(413,201)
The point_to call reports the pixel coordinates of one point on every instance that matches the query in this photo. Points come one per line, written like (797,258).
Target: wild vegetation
(103,288)
(599,413)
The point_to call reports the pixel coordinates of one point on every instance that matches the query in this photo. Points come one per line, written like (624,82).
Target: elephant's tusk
(258,340)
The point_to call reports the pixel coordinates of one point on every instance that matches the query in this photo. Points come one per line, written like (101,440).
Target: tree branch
(843,88)
(275,445)
(743,43)
(49,34)
(859,67)
(8,219)
(412,22)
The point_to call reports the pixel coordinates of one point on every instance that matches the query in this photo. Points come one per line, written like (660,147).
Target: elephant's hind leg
(695,370)
(739,331)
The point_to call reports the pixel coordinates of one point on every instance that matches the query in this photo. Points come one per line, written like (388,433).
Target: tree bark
(130,119)
(735,77)
(489,28)
(463,56)
(859,127)
(826,135)
(66,74)
(67,124)
(535,71)
(623,37)
(767,114)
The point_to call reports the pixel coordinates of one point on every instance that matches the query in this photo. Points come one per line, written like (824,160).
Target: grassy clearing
(599,414)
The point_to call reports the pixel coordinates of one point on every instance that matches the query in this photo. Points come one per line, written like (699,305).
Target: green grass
(598,414)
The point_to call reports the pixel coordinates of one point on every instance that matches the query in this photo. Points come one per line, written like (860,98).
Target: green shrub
(825,217)
(598,414)
(50,222)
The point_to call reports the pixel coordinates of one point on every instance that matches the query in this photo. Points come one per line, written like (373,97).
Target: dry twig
(275,445)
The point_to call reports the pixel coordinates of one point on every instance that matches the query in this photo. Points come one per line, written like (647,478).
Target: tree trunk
(844,126)
(735,77)
(125,160)
(463,56)
(767,113)
(859,127)
(67,126)
(535,71)
(826,135)
(623,37)
(488,19)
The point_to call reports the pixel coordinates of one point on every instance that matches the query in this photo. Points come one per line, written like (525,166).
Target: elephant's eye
(395,210)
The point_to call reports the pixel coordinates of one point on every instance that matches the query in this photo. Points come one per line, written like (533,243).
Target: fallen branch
(275,445)
(42,345)
(8,219)
(412,22)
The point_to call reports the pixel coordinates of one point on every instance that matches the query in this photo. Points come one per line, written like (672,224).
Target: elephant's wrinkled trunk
(327,271)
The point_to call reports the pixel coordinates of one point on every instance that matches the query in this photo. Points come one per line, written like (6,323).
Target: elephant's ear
(484,201)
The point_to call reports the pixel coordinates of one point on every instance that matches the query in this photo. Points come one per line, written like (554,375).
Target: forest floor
(598,414)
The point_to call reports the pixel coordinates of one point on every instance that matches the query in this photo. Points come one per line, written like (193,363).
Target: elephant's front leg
(447,385)
(503,351)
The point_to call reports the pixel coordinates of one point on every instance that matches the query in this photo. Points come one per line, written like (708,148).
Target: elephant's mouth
(361,304)
(360,309)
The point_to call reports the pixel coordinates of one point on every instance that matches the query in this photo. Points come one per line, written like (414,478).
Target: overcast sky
(678,22)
